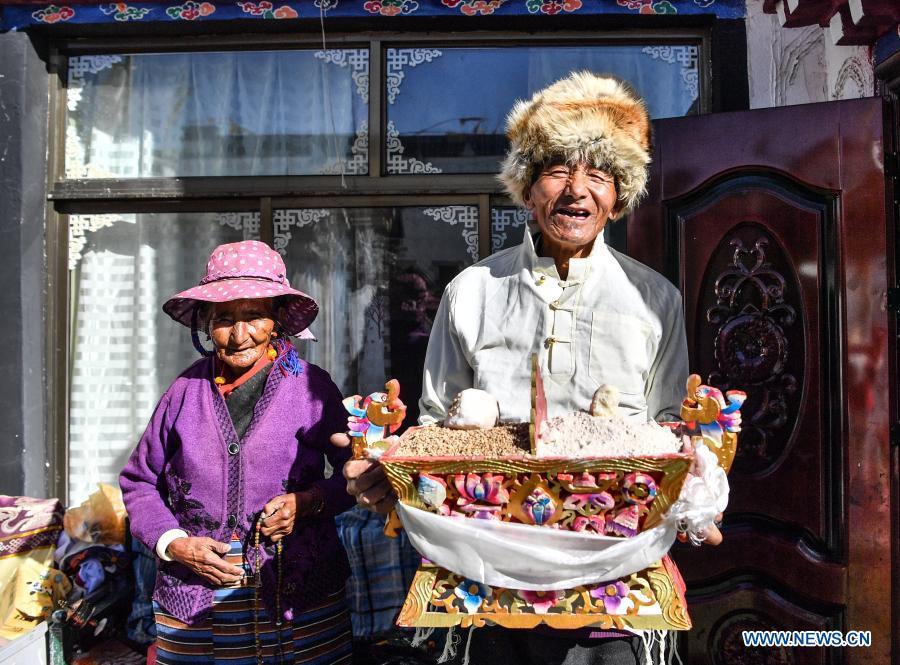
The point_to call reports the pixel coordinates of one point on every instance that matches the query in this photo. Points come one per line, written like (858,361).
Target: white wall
(801,65)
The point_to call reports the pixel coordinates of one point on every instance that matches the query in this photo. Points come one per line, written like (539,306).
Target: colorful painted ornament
(589,504)
(592,524)
(374,418)
(432,490)
(588,482)
(614,596)
(595,495)
(718,417)
(639,488)
(539,506)
(472,594)
(625,522)
(480,495)
(541,601)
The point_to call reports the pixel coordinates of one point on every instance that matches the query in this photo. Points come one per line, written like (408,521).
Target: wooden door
(773,224)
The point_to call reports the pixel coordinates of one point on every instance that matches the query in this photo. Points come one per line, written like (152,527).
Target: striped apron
(318,636)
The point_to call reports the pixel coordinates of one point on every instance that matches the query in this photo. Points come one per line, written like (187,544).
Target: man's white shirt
(612,321)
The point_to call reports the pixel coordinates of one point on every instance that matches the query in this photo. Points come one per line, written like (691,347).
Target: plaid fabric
(141,626)
(382,569)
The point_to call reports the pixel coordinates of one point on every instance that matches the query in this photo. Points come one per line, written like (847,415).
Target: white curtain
(124,350)
(209,114)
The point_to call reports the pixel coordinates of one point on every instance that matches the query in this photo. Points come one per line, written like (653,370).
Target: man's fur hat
(582,118)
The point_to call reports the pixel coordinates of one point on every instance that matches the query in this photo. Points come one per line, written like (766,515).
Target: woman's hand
(280,514)
(205,557)
(367,481)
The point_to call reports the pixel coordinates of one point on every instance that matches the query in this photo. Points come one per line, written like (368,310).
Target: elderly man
(578,159)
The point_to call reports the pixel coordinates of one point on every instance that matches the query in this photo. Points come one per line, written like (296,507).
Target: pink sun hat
(247,269)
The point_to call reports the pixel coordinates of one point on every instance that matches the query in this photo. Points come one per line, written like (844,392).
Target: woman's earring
(273,350)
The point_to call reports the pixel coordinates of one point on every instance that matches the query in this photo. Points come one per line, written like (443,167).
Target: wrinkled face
(571,204)
(241,331)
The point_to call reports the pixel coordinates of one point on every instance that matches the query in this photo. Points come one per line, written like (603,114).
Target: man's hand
(713,536)
(280,514)
(367,481)
(204,556)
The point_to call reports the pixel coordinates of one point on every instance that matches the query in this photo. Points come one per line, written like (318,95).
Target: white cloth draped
(521,556)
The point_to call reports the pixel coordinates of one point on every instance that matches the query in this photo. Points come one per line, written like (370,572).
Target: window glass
(214,114)
(446,107)
(124,350)
(378,275)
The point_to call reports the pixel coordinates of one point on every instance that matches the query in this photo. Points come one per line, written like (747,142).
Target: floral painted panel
(194,10)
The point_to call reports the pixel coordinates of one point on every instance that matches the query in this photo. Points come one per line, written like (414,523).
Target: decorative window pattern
(397,163)
(77,166)
(466,217)
(507,226)
(399,59)
(358,161)
(358,62)
(245,222)
(685,57)
(283,220)
(81,225)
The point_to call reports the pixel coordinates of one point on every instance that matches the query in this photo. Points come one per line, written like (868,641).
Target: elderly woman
(228,482)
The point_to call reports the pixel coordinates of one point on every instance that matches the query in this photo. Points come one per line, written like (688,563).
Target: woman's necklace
(257,585)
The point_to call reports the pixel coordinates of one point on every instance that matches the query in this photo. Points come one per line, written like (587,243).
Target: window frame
(264,194)
(376,181)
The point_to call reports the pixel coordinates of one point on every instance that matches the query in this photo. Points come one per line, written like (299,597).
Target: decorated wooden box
(482,506)
(611,497)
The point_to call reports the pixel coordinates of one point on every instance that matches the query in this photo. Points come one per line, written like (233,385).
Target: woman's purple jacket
(187,473)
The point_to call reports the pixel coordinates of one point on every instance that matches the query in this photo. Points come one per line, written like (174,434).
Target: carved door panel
(773,225)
